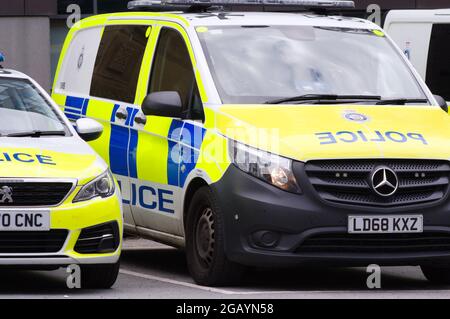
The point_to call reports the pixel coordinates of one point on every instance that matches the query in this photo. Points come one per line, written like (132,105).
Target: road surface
(151,270)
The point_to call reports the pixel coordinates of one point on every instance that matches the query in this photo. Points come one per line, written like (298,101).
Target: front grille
(16,242)
(33,193)
(376,243)
(348,182)
(102,238)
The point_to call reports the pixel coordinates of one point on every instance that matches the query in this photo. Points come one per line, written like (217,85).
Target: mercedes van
(264,138)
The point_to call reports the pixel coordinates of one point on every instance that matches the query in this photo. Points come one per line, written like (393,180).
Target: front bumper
(55,260)
(252,207)
(74,217)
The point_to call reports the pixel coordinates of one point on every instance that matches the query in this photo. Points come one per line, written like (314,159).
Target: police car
(59,204)
(264,138)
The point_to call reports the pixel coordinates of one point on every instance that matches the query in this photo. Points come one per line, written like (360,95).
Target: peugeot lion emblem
(384,181)
(6,194)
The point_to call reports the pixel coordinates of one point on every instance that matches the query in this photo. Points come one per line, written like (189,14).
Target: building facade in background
(32,32)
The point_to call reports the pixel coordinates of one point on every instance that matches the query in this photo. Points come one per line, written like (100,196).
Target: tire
(205,241)
(99,276)
(439,275)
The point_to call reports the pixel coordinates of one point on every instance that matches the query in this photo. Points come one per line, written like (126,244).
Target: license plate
(385,224)
(25,220)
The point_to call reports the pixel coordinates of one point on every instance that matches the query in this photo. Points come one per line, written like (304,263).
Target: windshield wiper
(401,101)
(324,97)
(36,134)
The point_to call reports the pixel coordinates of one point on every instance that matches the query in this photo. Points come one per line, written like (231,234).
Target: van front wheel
(205,253)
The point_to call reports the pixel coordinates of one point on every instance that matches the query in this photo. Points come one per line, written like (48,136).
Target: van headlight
(273,169)
(102,186)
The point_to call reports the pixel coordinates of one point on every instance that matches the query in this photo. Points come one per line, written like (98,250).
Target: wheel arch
(194,185)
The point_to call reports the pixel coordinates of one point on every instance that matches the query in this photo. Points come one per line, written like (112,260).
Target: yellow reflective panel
(101,145)
(144,74)
(213,158)
(324,132)
(76,216)
(59,99)
(36,162)
(127,22)
(378,33)
(153,150)
(201,29)
(210,118)
(101,111)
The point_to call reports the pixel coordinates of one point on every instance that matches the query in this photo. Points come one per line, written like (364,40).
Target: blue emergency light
(183,4)
(2,59)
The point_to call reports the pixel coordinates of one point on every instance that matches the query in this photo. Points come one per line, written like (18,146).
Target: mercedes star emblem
(384,181)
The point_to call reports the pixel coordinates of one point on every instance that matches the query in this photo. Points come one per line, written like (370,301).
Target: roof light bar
(307,4)
(142,4)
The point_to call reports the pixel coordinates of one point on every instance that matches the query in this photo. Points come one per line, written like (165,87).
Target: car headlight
(268,167)
(102,186)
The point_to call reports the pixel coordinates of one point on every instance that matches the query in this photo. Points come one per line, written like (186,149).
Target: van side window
(118,62)
(172,71)
(438,69)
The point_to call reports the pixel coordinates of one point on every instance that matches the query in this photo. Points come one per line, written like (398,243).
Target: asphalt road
(150,270)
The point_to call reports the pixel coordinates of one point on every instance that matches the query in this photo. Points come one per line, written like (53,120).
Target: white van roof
(275,18)
(224,18)
(432,16)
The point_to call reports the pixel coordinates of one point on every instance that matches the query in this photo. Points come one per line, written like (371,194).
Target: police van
(264,138)
(424,36)
(59,204)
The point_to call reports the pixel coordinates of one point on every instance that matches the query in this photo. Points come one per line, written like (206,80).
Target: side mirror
(89,129)
(442,103)
(163,103)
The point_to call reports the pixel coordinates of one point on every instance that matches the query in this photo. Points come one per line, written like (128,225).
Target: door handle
(140,119)
(121,115)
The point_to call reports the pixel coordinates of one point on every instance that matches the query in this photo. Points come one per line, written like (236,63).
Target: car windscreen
(256,64)
(24,109)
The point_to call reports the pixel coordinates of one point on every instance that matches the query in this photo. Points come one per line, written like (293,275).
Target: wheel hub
(204,237)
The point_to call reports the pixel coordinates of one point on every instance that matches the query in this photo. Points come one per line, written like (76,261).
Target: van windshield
(257,64)
(25,112)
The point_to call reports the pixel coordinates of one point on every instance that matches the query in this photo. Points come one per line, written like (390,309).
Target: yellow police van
(59,204)
(264,138)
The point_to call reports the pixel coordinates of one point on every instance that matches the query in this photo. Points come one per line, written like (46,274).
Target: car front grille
(348,181)
(16,242)
(376,243)
(29,193)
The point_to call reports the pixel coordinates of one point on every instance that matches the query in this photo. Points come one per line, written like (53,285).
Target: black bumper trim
(251,205)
